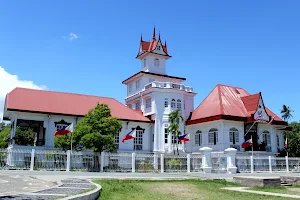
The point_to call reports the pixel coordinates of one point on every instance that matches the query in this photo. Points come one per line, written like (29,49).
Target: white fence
(208,162)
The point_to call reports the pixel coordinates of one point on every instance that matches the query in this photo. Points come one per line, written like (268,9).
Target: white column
(156,136)
(188,157)
(155,161)
(14,130)
(273,140)
(68,160)
(270,164)
(252,164)
(32,159)
(287,164)
(206,159)
(231,167)
(133,162)
(170,143)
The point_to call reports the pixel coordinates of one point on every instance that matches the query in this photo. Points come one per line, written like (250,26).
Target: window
(117,140)
(60,126)
(173,103)
(129,88)
(277,140)
(166,102)
(158,47)
(266,138)
(137,84)
(144,62)
(213,136)
(156,62)
(178,104)
(138,140)
(198,138)
(166,135)
(234,136)
(138,105)
(173,139)
(148,103)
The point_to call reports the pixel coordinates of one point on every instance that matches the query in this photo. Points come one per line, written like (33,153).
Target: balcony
(168,85)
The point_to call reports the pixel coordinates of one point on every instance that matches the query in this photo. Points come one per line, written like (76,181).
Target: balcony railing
(156,84)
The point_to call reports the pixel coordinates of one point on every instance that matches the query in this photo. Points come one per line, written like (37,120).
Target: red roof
(42,101)
(150,46)
(234,102)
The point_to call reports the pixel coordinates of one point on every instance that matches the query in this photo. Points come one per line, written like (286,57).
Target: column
(170,143)
(273,140)
(231,166)
(206,159)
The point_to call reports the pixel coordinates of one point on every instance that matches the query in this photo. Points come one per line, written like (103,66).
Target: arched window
(173,103)
(266,137)
(213,136)
(166,102)
(198,138)
(178,104)
(234,136)
(156,62)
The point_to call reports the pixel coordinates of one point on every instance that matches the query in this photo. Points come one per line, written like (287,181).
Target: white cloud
(71,36)
(8,82)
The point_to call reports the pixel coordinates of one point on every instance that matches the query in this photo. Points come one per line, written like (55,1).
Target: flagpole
(71,140)
(252,145)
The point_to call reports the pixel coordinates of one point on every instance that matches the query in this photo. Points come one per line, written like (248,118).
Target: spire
(154,37)
(166,43)
(159,36)
(141,38)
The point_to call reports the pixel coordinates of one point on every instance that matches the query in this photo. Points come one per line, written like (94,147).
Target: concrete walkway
(246,189)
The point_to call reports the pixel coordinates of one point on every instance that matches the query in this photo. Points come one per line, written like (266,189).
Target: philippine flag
(248,143)
(130,135)
(64,130)
(183,138)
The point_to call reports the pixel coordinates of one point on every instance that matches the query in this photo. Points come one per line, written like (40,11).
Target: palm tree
(286,113)
(175,118)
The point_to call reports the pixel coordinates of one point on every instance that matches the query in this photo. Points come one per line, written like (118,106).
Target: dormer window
(158,48)
(156,62)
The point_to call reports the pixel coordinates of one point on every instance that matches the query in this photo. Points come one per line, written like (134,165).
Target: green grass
(173,190)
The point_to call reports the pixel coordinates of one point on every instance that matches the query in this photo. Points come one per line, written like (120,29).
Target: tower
(156,94)
(153,54)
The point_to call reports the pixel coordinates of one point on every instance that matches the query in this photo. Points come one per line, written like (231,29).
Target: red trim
(229,117)
(151,73)
(51,113)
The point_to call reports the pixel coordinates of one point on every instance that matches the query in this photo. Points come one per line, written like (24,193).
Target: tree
(175,118)
(294,139)
(24,136)
(4,136)
(95,131)
(286,113)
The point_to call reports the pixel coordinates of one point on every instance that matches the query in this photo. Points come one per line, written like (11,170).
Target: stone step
(285,184)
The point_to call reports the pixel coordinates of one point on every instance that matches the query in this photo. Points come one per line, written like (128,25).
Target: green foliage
(24,137)
(95,131)
(4,137)
(286,113)
(175,118)
(294,139)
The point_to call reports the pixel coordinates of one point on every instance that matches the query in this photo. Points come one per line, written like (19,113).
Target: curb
(94,194)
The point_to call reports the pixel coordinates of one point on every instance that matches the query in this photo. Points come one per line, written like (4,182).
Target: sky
(89,47)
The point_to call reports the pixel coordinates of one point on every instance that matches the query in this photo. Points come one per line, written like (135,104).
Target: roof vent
(237,91)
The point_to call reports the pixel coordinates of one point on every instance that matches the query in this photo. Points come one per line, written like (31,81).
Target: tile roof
(226,100)
(42,101)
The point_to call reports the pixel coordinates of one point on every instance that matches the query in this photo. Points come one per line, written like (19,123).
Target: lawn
(173,190)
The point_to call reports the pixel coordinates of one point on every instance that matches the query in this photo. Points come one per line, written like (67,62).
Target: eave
(140,56)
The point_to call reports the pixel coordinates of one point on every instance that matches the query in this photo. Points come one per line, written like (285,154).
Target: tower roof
(151,46)
(231,103)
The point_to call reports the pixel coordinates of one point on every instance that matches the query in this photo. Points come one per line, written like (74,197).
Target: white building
(219,122)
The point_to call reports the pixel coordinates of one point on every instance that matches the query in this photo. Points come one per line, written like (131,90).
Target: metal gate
(218,162)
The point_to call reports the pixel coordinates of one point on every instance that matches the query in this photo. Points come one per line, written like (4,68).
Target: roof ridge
(60,92)
(220,84)
(220,100)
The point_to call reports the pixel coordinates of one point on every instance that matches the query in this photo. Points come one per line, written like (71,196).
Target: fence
(206,162)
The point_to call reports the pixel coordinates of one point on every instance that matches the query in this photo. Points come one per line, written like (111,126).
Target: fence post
(155,161)
(162,170)
(68,160)
(231,167)
(188,157)
(252,164)
(133,162)
(32,159)
(206,159)
(270,164)
(102,161)
(287,163)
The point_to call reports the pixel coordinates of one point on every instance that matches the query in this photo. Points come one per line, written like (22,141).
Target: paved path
(246,189)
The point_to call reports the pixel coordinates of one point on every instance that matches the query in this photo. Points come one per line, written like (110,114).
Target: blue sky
(250,44)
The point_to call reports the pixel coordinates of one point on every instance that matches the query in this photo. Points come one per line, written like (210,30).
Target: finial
(141,38)
(165,43)
(154,37)
(159,35)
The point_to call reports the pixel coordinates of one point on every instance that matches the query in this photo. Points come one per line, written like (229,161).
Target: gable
(158,48)
(261,110)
